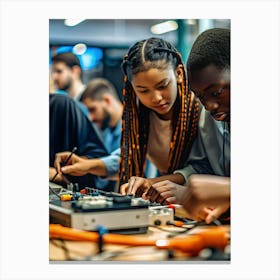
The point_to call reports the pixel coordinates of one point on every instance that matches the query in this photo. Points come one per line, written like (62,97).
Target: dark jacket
(69,128)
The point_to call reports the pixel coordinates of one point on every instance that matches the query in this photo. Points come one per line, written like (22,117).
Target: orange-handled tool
(59,231)
(191,244)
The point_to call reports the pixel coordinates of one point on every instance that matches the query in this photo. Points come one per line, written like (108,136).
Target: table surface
(84,251)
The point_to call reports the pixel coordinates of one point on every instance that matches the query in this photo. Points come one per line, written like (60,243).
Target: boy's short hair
(211,47)
(97,87)
(68,58)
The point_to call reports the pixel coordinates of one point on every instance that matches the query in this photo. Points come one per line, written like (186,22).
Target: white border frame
(255,137)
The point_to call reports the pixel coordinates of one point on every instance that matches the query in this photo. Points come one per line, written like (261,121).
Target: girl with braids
(207,197)
(164,122)
(160,114)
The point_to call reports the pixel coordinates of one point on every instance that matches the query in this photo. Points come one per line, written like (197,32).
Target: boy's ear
(107,98)
(77,71)
(179,74)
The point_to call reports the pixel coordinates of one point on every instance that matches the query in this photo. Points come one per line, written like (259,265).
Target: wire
(186,221)
(215,222)
(50,188)
(170,231)
(64,163)
(105,255)
(62,246)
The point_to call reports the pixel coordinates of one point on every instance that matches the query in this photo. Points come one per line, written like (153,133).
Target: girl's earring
(179,76)
(179,79)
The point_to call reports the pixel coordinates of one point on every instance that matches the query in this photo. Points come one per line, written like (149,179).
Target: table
(61,250)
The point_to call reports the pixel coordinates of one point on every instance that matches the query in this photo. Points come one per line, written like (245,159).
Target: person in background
(161,118)
(70,128)
(105,109)
(67,76)
(52,88)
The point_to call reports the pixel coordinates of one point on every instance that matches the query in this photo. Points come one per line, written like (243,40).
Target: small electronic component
(160,215)
(66,197)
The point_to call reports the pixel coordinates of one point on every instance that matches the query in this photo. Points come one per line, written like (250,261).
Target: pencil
(66,161)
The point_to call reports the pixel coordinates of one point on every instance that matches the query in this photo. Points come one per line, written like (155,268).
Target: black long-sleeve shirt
(69,128)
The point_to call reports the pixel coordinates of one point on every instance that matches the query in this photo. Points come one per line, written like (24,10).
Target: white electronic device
(117,214)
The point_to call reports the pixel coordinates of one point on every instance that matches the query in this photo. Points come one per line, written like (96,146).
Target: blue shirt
(112,141)
(112,137)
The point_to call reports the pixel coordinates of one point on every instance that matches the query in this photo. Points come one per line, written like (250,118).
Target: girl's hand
(136,186)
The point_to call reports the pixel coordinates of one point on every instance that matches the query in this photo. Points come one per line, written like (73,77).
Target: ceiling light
(164,27)
(191,21)
(79,49)
(72,22)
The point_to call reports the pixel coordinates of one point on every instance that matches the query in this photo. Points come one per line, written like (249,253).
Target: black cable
(187,222)
(50,188)
(216,222)
(170,231)
(62,246)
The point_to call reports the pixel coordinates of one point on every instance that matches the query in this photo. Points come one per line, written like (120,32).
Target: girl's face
(157,89)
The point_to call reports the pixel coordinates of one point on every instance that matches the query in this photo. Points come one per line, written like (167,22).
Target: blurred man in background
(105,109)
(67,77)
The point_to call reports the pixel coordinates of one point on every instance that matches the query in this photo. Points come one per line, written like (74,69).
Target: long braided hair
(144,55)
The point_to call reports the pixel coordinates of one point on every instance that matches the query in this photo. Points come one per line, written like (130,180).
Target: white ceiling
(103,33)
